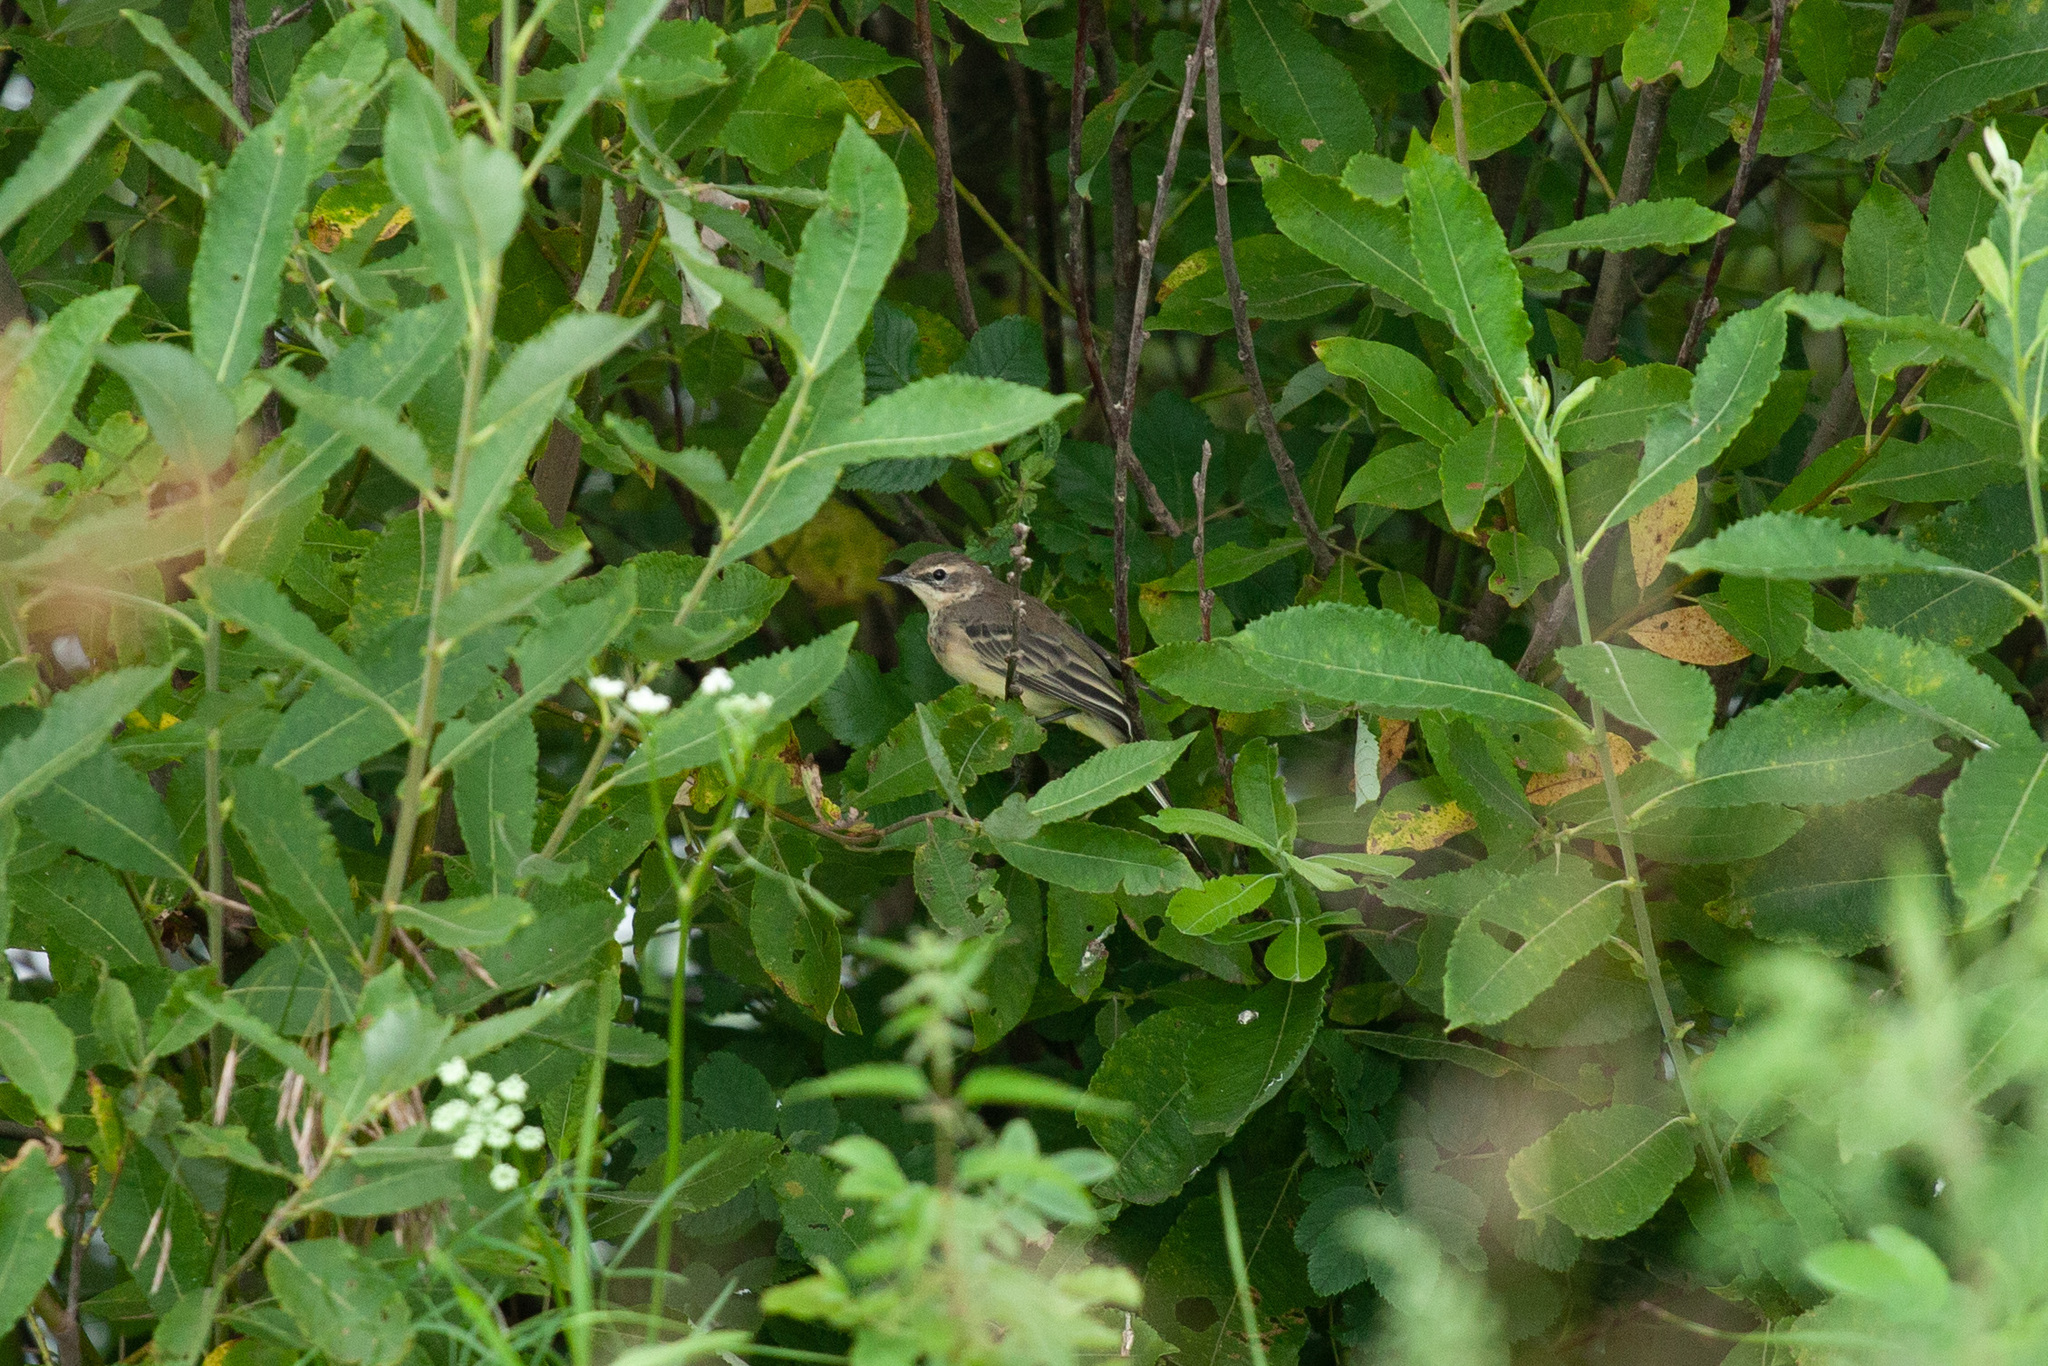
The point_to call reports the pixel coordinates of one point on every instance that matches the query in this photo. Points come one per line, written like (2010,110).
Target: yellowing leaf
(1581,772)
(1656,529)
(1689,635)
(836,558)
(876,111)
(1424,827)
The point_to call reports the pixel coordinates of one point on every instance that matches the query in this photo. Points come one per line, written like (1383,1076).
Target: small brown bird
(1062,675)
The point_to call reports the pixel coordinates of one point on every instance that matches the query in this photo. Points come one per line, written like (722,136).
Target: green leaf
(626,26)
(81,907)
(464,193)
(1463,257)
(1404,388)
(1959,213)
(382,369)
(975,738)
(1994,823)
(1817,745)
(63,145)
(1295,88)
(1099,858)
(1832,885)
(1893,1269)
(107,810)
(1248,1052)
(269,616)
(1602,1172)
(342,1300)
(798,945)
(1672,701)
(1926,679)
(1559,916)
(77,722)
(1498,114)
(1474,468)
(1194,820)
(1521,565)
(520,404)
(1102,778)
(1682,36)
(32,1235)
(1622,408)
(1366,240)
(945,415)
(360,424)
(52,373)
(239,273)
(1667,224)
(1986,57)
(849,247)
(1782,545)
(1385,662)
(385,1178)
(1583,28)
(952,887)
(471,922)
(37,1054)
(690,736)
(1014,1086)
(1821,40)
(719,1165)
(189,414)
(881,1080)
(1733,380)
(1211,675)
(1421,26)
(1220,901)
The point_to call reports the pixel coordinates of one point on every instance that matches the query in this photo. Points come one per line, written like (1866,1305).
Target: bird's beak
(901,580)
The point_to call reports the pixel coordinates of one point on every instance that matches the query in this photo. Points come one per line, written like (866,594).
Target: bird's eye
(938,576)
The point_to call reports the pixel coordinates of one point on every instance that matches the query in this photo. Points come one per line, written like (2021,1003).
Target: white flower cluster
(489,1117)
(739,712)
(641,701)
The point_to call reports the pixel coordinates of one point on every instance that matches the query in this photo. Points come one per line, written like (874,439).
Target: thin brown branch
(1148,250)
(1610,299)
(1889,48)
(276,22)
(942,153)
(1034,181)
(1123,209)
(1708,303)
(1206,596)
(1226,251)
(240,36)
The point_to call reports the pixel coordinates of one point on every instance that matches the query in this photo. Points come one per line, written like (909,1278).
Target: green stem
(1624,838)
(687,892)
(580,1293)
(412,788)
(1233,1246)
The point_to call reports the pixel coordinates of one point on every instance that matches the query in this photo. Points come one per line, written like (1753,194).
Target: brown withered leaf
(1393,744)
(1581,772)
(1653,532)
(1688,635)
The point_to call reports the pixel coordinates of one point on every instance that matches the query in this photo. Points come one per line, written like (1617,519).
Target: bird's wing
(1051,664)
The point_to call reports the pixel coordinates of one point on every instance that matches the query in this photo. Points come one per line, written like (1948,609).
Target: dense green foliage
(1592,642)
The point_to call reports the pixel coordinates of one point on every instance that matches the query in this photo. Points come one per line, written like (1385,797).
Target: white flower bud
(508,1117)
(1995,144)
(647,702)
(448,1116)
(513,1088)
(480,1085)
(504,1176)
(716,683)
(497,1139)
(529,1139)
(452,1072)
(468,1146)
(610,689)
